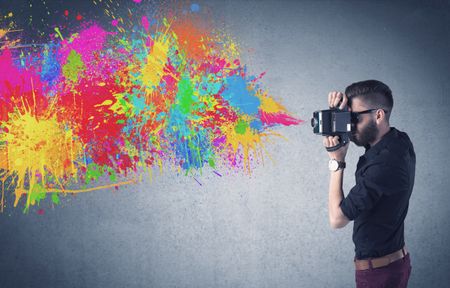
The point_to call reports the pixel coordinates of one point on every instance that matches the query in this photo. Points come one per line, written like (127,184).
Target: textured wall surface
(269,229)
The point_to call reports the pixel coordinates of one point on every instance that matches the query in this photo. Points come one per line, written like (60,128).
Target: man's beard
(366,136)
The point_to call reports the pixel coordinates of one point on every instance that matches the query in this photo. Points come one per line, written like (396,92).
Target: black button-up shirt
(379,201)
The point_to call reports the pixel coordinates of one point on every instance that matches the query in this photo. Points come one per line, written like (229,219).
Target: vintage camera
(333,122)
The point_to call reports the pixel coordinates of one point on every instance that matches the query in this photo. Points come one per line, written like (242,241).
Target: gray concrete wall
(270,229)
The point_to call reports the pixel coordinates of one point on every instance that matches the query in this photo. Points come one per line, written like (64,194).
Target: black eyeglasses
(355,115)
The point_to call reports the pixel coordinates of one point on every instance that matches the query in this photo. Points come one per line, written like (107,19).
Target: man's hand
(336,100)
(331,141)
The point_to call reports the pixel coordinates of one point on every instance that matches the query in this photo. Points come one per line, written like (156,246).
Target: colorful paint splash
(122,99)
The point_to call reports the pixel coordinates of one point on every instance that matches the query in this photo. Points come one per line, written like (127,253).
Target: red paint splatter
(66,13)
(95,124)
(40,212)
(217,115)
(259,77)
(79,17)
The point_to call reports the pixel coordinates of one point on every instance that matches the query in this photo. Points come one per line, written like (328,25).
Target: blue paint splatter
(138,104)
(51,68)
(256,125)
(237,94)
(195,7)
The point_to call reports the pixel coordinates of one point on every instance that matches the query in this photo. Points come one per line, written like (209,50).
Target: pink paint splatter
(25,85)
(145,23)
(279,118)
(88,41)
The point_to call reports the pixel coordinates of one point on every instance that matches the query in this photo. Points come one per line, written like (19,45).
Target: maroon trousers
(394,275)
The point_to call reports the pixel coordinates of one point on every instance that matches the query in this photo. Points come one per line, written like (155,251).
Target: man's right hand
(339,154)
(337,100)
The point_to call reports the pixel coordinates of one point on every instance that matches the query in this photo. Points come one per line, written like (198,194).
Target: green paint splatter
(241,127)
(112,175)
(93,172)
(55,198)
(211,163)
(37,194)
(185,95)
(73,66)
(59,33)
(122,106)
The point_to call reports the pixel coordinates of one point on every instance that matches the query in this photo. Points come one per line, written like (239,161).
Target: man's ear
(380,114)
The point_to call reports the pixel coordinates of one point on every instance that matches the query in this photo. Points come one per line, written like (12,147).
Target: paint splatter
(96,105)
(195,7)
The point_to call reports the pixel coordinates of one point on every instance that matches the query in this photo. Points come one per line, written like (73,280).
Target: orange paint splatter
(192,37)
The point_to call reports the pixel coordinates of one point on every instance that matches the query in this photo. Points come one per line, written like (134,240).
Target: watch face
(333,165)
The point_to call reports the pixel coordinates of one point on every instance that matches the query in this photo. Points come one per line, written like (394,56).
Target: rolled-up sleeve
(374,181)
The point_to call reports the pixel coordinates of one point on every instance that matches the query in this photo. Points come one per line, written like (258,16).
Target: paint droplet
(114,22)
(59,33)
(66,13)
(79,17)
(145,23)
(40,212)
(195,7)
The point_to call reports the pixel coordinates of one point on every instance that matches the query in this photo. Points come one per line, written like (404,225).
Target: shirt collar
(387,138)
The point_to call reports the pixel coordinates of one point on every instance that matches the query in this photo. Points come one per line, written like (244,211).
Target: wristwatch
(335,165)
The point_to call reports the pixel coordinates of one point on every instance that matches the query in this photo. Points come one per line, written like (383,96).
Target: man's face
(366,129)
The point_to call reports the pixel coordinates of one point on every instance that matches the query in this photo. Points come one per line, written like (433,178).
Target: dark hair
(372,92)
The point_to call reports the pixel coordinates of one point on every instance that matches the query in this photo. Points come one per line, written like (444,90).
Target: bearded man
(384,180)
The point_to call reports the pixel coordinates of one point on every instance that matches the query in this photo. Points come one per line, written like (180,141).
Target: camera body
(333,122)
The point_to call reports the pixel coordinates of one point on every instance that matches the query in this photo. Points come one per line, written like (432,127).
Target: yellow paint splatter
(153,70)
(248,143)
(107,102)
(38,148)
(269,105)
